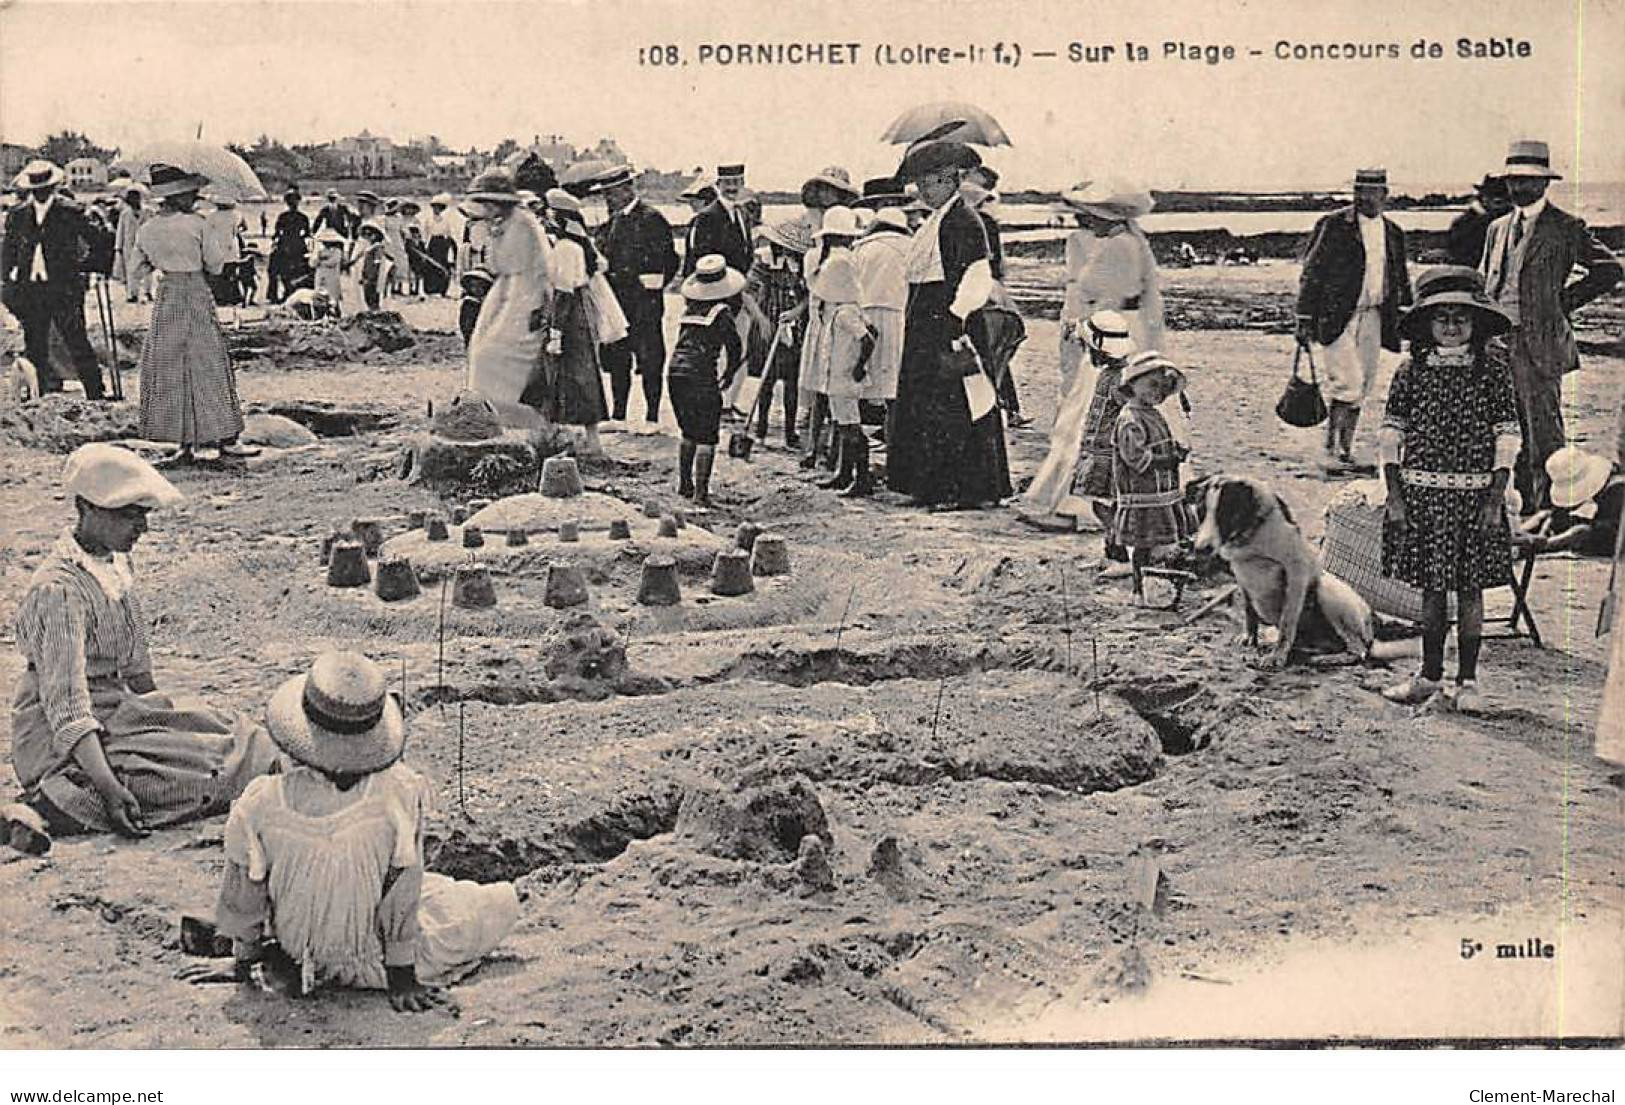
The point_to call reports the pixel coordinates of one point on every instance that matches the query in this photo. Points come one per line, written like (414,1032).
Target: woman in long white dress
(1109,267)
(506,345)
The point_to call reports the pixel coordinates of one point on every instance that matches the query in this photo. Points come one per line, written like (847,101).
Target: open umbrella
(228,174)
(952,120)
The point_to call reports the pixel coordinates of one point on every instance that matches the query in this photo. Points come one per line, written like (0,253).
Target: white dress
(503,351)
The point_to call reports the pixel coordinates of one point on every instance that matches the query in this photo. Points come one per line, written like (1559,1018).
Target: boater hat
(610,178)
(1459,285)
(713,279)
(167,180)
(339,717)
(38,173)
(331,237)
(882,191)
(367,195)
(1371,178)
(1108,332)
(112,477)
(441,199)
(736,171)
(1529,158)
(1577,476)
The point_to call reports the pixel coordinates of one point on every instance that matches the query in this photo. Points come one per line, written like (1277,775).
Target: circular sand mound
(693,548)
(538,513)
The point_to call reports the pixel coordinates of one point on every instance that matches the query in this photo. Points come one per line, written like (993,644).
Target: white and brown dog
(1281,581)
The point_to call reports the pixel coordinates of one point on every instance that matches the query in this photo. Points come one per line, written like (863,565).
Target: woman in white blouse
(188,391)
(1109,267)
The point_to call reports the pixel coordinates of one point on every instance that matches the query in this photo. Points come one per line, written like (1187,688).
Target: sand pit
(989,795)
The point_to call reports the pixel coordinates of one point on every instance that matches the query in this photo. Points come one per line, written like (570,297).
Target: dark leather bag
(1301,404)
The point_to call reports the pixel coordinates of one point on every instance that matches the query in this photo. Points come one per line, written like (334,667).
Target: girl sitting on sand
(705,333)
(1448,440)
(1145,467)
(324,880)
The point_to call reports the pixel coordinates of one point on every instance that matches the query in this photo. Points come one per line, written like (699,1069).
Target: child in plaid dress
(1449,438)
(1145,468)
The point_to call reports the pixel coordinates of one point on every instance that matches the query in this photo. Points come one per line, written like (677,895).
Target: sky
(476,72)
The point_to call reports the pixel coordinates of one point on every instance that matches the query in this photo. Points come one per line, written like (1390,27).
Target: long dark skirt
(569,389)
(935,454)
(443,251)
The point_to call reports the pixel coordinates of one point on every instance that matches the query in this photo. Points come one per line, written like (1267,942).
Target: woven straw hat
(713,279)
(339,717)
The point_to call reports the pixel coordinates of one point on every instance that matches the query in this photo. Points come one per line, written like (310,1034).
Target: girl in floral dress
(1448,441)
(1145,468)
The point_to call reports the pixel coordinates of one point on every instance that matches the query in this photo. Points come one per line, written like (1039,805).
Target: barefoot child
(1145,468)
(1448,441)
(324,880)
(705,333)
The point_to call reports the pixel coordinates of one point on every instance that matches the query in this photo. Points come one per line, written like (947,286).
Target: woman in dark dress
(938,456)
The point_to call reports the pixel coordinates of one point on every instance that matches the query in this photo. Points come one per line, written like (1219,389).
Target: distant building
(85,172)
(554,150)
(365,155)
(453,164)
(606,150)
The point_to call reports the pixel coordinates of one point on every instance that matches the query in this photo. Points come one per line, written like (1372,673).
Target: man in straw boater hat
(325,882)
(722,227)
(41,281)
(1352,289)
(94,744)
(640,259)
(335,216)
(1529,256)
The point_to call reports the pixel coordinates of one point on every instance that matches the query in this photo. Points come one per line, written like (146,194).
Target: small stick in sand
(403,682)
(1212,604)
(937,713)
(440,669)
(1094,670)
(1066,613)
(462,802)
(841,628)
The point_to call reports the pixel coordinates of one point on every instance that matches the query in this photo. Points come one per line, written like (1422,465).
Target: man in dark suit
(640,260)
(42,278)
(1351,292)
(1529,254)
(1464,241)
(335,215)
(723,227)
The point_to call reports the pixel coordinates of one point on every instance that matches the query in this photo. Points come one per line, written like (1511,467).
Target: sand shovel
(741,442)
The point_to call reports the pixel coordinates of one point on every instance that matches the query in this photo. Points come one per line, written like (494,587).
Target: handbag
(979,394)
(1301,404)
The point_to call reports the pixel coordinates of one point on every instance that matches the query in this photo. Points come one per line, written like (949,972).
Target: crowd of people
(875,316)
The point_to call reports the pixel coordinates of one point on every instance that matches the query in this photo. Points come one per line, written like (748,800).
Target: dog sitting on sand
(1281,582)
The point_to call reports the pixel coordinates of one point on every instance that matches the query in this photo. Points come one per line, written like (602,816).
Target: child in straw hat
(325,882)
(1150,503)
(777,285)
(705,334)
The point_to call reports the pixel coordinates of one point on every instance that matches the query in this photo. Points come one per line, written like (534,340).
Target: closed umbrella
(950,120)
(229,175)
